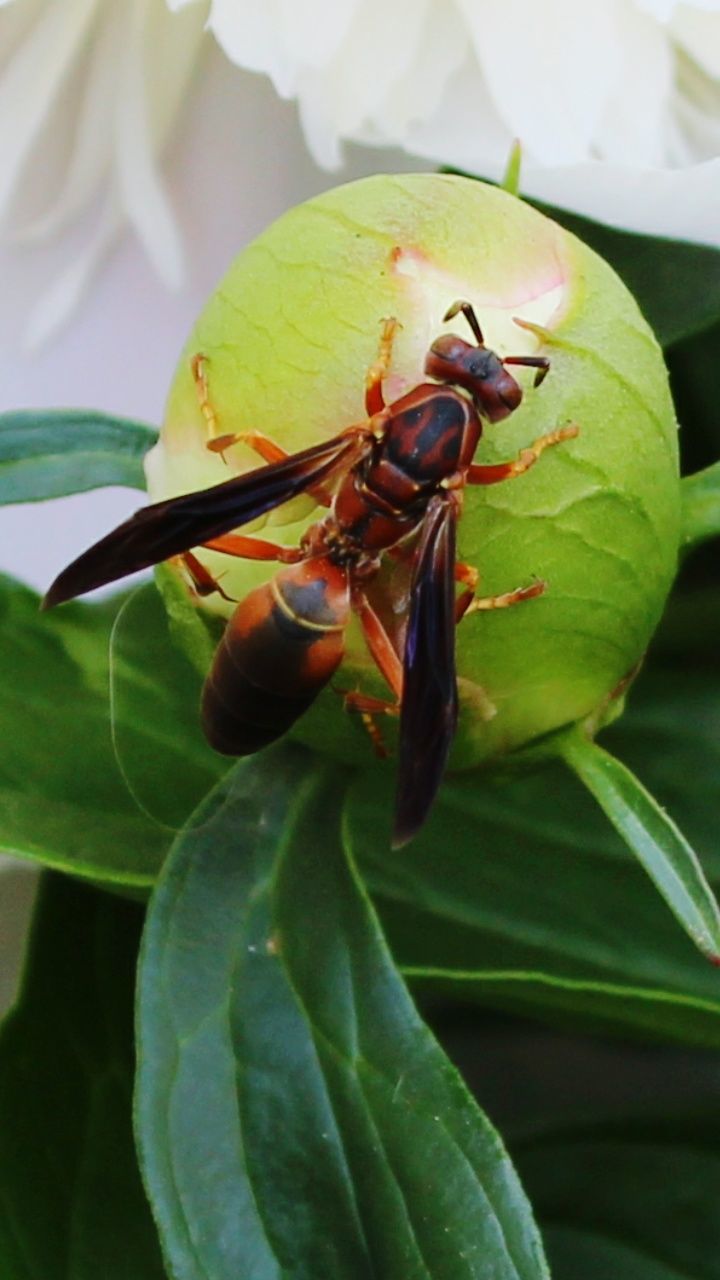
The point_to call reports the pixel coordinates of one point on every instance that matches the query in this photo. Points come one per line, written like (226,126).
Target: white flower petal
(64,294)
(15,22)
(699,34)
(340,100)
(141,192)
(628,132)
(417,91)
(465,130)
(661,10)
(678,204)
(171,58)
(90,157)
(31,81)
(549,74)
(282,37)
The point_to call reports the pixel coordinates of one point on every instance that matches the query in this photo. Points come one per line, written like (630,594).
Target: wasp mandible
(392,484)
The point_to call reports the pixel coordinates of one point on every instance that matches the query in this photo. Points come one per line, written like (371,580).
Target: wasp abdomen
(281,646)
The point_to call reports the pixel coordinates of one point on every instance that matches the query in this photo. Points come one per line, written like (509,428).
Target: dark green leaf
(520,894)
(634,1197)
(295,1116)
(80,789)
(71,1200)
(649,831)
(618,1146)
(46,453)
(695,385)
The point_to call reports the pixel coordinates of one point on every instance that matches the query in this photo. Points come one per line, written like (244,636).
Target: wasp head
(478,369)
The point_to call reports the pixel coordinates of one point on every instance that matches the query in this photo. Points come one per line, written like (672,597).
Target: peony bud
(287,338)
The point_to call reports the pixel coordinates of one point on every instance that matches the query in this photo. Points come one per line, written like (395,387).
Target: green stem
(700,506)
(656,841)
(511,177)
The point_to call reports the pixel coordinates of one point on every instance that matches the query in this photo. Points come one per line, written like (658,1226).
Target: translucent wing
(429,703)
(168,528)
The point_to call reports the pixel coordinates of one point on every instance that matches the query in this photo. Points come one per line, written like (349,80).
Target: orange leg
(469,576)
(468,602)
(269,451)
(217,443)
(236,544)
(472,604)
(204,584)
(198,367)
(389,664)
(374,399)
(477,474)
(367,708)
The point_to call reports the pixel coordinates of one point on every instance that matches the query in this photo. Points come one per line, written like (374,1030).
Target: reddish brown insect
(392,484)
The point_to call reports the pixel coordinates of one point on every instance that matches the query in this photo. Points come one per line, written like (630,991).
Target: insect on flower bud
(589,529)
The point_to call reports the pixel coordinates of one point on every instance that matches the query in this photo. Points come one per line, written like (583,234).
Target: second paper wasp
(392,484)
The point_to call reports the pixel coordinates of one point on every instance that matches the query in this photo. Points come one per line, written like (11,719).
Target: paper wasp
(392,484)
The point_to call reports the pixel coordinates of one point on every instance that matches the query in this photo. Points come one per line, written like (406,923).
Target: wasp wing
(168,528)
(429,710)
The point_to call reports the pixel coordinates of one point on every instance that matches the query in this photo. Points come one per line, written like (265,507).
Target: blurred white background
(237,162)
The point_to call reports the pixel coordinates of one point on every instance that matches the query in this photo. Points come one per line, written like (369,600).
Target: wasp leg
(468,602)
(386,659)
(469,576)
(203,582)
(236,544)
(256,440)
(472,604)
(218,442)
(367,708)
(198,369)
(491,474)
(374,399)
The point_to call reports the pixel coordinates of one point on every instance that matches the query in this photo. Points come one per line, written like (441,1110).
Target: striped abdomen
(281,646)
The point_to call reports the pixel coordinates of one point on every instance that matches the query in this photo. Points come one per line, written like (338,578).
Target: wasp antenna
(469,313)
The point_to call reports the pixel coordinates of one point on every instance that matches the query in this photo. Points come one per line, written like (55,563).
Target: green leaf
(71,1200)
(618,1146)
(519,893)
(633,1197)
(701,506)
(653,837)
(295,1117)
(80,789)
(695,386)
(46,453)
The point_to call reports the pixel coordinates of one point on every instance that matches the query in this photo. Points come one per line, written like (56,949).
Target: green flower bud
(287,338)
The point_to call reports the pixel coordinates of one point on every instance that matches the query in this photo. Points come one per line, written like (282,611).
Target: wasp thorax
(595,518)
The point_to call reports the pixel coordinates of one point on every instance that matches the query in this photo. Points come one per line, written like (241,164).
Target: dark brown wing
(429,704)
(168,528)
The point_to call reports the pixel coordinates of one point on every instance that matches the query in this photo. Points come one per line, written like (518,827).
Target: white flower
(89,90)
(617,103)
(617,106)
